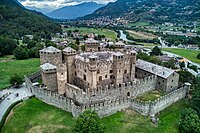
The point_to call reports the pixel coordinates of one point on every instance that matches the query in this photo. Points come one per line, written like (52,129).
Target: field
(36,116)
(21,67)
(141,35)
(150,96)
(108,33)
(189,54)
(139,24)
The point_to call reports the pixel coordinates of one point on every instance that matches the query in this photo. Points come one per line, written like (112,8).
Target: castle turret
(93,70)
(69,55)
(62,77)
(49,76)
(50,55)
(118,68)
(132,64)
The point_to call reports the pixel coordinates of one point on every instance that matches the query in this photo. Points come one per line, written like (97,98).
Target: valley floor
(34,115)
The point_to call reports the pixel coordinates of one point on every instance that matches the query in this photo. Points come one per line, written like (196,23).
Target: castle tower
(69,55)
(93,71)
(50,55)
(132,64)
(62,77)
(49,76)
(118,68)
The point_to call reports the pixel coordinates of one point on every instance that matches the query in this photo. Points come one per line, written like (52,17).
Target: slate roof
(48,66)
(50,49)
(154,69)
(69,49)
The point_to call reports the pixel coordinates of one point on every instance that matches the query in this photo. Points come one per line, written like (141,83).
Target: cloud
(55,4)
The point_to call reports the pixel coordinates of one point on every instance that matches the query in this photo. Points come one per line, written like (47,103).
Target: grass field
(189,54)
(21,67)
(108,33)
(141,35)
(36,116)
(150,96)
(139,24)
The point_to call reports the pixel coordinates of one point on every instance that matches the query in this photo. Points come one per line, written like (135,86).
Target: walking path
(12,98)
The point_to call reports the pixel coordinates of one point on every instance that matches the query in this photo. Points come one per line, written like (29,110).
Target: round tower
(93,71)
(133,54)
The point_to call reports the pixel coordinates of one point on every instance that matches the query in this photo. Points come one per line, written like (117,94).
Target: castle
(106,81)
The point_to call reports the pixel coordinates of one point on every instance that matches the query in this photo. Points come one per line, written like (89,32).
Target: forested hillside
(16,21)
(150,10)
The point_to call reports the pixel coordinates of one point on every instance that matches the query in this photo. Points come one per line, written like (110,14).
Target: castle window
(171,86)
(125,71)
(163,81)
(172,80)
(120,85)
(145,73)
(106,76)
(119,71)
(100,78)
(128,94)
(85,70)
(158,83)
(111,76)
(84,77)
(75,74)
(61,73)
(111,71)
(98,72)
(173,74)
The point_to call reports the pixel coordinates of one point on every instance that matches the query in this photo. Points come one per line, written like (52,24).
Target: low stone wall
(153,107)
(109,105)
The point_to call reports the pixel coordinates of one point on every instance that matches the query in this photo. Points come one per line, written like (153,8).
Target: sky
(55,4)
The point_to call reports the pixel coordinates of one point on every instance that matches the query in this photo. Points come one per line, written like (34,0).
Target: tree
(16,80)
(182,64)
(195,100)
(185,76)
(21,53)
(189,122)
(156,51)
(88,122)
(198,56)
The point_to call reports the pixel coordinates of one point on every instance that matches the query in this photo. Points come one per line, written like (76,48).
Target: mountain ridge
(75,11)
(154,10)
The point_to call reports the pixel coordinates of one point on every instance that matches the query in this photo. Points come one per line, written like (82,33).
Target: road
(7,102)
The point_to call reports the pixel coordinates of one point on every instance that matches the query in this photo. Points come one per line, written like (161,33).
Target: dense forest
(16,21)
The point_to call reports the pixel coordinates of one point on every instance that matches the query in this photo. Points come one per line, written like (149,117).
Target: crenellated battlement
(108,100)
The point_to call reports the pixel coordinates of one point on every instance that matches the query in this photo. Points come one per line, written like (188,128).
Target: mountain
(16,21)
(73,12)
(149,10)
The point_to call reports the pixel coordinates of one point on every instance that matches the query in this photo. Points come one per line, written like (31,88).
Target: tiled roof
(50,49)
(69,49)
(154,69)
(48,66)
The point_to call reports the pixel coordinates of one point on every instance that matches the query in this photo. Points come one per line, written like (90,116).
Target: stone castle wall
(107,106)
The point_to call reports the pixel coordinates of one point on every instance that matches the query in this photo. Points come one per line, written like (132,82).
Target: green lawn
(36,116)
(108,33)
(21,67)
(150,96)
(189,54)
(139,24)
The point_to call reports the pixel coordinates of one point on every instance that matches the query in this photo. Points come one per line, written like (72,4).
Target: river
(123,36)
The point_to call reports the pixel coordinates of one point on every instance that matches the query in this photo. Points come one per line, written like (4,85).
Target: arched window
(128,94)
(100,78)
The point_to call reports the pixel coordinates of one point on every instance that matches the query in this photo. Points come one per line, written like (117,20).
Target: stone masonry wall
(108,106)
